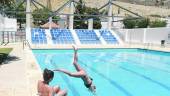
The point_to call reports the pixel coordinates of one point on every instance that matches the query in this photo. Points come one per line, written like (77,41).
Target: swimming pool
(115,72)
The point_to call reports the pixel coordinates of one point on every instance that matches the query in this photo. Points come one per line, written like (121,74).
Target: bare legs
(78,68)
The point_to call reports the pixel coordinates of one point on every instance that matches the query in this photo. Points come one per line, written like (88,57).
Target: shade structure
(47,25)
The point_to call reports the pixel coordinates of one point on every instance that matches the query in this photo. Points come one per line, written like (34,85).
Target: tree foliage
(55,19)
(96,20)
(6,2)
(130,23)
(10,9)
(80,22)
(142,23)
(158,23)
(21,15)
(7,5)
(41,16)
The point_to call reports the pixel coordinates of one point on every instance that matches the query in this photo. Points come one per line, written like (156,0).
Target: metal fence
(11,36)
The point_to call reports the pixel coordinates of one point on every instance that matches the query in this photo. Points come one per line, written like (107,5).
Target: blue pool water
(115,72)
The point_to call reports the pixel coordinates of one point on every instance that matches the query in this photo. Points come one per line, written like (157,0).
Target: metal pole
(110,11)
(11,37)
(90,24)
(3,37)
(71,17)
(28,21)
(8,36)
(50,21)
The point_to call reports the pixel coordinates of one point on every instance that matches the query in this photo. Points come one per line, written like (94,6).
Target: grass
(4,53)
(5,50)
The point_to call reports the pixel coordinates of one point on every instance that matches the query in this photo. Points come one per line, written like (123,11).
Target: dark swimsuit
(89,85)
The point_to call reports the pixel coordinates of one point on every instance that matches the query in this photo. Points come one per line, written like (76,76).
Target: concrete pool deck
(20,74)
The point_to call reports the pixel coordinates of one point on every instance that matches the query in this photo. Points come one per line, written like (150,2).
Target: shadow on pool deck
(8,58)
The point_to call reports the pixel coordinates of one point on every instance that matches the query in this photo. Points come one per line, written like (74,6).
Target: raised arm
(75,74)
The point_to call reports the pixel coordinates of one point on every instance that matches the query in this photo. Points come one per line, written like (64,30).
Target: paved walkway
(13,80)
(19,76)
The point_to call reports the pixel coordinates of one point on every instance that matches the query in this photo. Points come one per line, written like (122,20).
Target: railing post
(23,45)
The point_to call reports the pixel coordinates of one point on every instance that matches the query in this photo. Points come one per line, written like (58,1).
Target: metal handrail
(25,42)
(148,46)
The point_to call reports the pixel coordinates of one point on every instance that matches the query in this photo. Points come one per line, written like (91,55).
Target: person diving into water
(81,73)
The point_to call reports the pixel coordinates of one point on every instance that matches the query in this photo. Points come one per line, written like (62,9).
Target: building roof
(47,25)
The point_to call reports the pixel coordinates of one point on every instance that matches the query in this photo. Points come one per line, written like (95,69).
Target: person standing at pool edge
(43,86)
(81,73)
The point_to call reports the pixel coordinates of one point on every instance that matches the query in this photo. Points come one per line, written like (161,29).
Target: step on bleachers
(87,36)
(38,36)
(108,37)
(62,36)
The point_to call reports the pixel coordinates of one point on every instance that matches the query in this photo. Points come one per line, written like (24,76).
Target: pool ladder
(26,43)
(147,46)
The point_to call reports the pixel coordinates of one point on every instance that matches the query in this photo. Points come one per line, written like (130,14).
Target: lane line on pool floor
(108,79)
(136,63)
(141,75)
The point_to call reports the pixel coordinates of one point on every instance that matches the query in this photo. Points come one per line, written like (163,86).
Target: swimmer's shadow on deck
(6,59)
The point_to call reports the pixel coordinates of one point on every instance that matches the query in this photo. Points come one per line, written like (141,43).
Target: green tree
(142,23)
(9,8)
(129,23)
(55,19)
(41,16)
(80,21)
(6,2)
(6,6)
(21,15)
(158,23)
(96,20)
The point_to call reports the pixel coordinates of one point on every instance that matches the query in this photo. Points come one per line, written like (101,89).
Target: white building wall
(10,24)
(122,31)
(104,25)
(153,35)
(168,22)
(1,22)
(1,26)
(7,25)
(117,24)
(135,35)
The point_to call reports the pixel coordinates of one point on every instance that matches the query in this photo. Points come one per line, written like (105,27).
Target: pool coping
(34,72)
(123,46)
